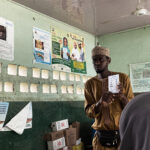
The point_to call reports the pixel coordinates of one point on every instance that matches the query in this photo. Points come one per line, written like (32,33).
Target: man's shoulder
(91,80)
(120,73)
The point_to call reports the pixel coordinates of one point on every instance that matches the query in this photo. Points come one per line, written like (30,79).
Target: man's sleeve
(90,103)
(128,89)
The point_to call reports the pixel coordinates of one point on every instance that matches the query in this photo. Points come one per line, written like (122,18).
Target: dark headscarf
(135,124)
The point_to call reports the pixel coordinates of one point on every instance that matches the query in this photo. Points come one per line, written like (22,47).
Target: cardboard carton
(77,126)
(57,144)
(70,136)
(60,125)
(53,135)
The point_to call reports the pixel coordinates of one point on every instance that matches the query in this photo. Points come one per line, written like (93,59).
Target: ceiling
(98,17)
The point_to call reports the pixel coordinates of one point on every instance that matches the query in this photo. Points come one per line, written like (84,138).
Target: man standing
(75,53)
(105,107)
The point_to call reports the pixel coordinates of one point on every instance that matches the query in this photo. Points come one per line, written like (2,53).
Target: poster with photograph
(68,51)
(42,46)
(6,39)
(140,77)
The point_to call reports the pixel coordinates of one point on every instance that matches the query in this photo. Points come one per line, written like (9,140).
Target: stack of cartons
(63,137)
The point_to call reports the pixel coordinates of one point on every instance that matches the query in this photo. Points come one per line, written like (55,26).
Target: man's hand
(121,95)
(107,97)
(105,100)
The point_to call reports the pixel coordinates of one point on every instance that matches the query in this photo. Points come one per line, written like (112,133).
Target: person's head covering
(99,50)
(135,124)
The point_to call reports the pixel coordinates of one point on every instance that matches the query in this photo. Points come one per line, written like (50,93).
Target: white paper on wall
(45,88)
(23,120)
(55,75)
(36,72)
(62,75)
(63,89)
(12,69)
(113,82)
(8,87)
(0,67)
(6,39)
(0,86)
(83,91)
(70,89)
(77,77)
(45,74)
(84,79)
(3,112)
(33,88)
(23,71)
(89,77)
(71,77)
(24,87)
(79,91)
(53,89)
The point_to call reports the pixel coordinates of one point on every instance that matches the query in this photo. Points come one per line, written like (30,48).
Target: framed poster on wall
(68,51)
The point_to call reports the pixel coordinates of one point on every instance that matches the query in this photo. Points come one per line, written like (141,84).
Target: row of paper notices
(70,90)
(37,73)
(22,71)
(22,120)
(46,88)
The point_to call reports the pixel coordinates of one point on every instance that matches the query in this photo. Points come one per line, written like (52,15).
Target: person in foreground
(135,124)
(105,107)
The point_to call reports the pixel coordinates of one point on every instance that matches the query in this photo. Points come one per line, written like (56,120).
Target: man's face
(79,45)
(75,46)
(65,42)
(100,63)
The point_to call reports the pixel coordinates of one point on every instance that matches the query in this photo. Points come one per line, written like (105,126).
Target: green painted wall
(44,113)
(128,47)
(22,18)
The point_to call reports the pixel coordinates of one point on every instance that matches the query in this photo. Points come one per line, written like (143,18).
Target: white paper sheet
(70,89)
(33,88)
(8,87)
(71,77)
(84,79)
(22,120)
(23,71)
(55,75)
(45,88)
(77,77)
(36,72)
(6,39)
(63,76)
(53,89)
(0,67)
(0,86)
(3,112)
(63,89)
(24,87)
(45,74)
(78,90)
(113,82)
(12,69)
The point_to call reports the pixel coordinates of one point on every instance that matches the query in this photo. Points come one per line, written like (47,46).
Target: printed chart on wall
(6,39)
(42,46)
(140,77)
(68,51)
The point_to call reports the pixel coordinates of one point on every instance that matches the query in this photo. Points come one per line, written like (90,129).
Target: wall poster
(6,39)
(42,46)
(68,51)
(140,77)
